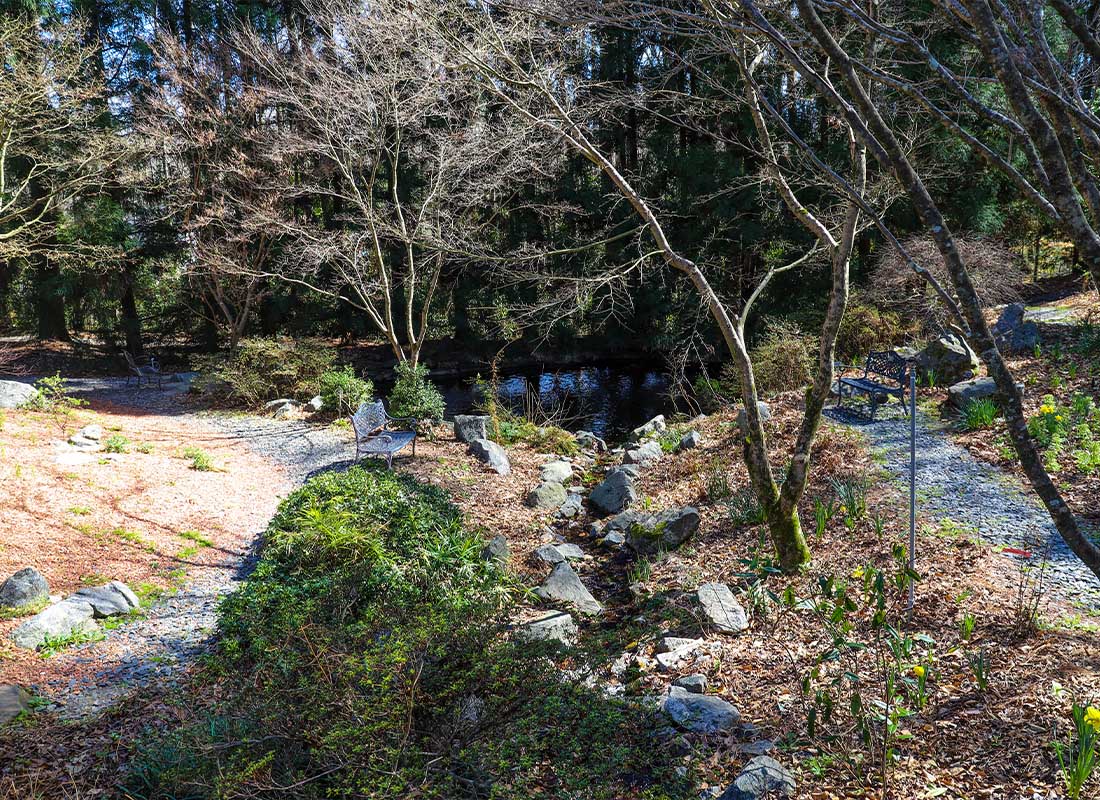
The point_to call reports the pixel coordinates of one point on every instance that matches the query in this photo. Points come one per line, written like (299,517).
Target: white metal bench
(147,368)
(373,436)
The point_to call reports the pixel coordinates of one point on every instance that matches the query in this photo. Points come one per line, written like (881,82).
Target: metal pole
(912,485)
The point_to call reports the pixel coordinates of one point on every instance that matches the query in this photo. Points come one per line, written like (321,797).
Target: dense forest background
(118,252)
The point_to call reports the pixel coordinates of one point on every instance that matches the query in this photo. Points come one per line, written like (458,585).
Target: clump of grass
(94,579)
(979,414)
(745,508)
(116,443)
(200,461)
(52,645)
(15,612)
(134,538)
(144,447)
(80,511)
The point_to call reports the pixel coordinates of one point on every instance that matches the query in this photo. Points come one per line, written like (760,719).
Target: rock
(571,552)
(699,713)
(655,425)
(24,588)
(590,441)
(492,454)
(496,550)
(695,684)
(14,394)
(564,585)
(615,492)
(614,539)
(651,533)
(547,495)
(572,507)
(670,643)
(93,432)
(644,455)
(316,403)
(83,443)
(1013,333)
(108,600)
(758,748)
(61,619)
(14,700)
(272,405)
(721,608)
(689,441)
(555,626)
(671,658)
(471,427)
(549,554)
(964,392)
(710,793)
(556,472)
(761,408)
(763,777)
(948,360)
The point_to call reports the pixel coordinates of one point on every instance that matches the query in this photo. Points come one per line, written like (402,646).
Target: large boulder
(556,472)
(947,360)
(471,427)
(109,600)
(24,588)
(14,700)
(61,619)
(492,454)
(699,713)
(964,392)
(721,608)
(644,454)
(647,534)
(763,777)
(15,393)
(547,495)
(564,585)
(615,492)
(556,626)
(1013,333)
(655,425)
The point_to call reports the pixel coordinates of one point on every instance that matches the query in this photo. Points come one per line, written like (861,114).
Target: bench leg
(389,461)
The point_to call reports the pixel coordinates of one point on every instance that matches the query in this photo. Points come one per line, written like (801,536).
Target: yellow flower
(1092,718)
(1058,417)
(918,671)
(858,573)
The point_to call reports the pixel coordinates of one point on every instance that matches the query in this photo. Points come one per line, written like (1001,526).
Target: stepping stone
(763,777)
(699,713)
(564,585)
(721,608)
(547,495)
(695,684)
(109,600)
(555,626)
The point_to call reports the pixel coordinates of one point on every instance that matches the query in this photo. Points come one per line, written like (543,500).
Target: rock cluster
(76,613)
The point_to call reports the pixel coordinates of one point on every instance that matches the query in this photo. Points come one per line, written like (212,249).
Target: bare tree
(522,55)
(51,145)
(202,132)
(808,37)
(385,170)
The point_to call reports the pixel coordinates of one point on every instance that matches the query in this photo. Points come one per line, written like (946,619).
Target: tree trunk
(131,321)
(49,303)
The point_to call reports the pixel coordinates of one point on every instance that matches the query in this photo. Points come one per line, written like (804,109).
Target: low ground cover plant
(366,651)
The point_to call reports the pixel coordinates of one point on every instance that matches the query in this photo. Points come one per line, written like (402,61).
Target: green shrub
(342,391)
(200,461)
(866,328)
(979,414)
(783,359)
(116,443)
(264,369)
(366,651)
(708,394)
(52,396)
(415,396)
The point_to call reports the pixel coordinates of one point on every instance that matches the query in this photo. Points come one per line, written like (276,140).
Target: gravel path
(179,628)
(954,487)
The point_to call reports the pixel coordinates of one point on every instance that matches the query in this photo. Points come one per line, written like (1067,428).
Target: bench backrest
(886,364)
(369,418)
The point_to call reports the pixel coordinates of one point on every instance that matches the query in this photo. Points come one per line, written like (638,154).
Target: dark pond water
(610,401)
